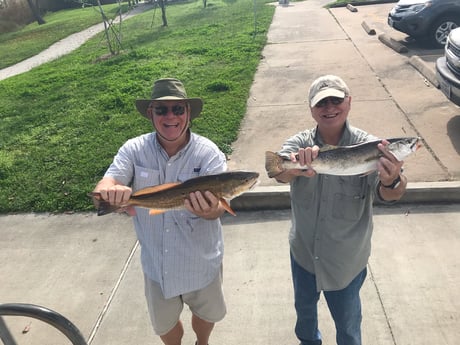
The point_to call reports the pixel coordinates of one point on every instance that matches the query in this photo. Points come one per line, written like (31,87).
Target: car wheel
(440,30)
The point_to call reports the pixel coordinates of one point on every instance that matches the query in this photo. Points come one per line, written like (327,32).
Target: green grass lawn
(62,122)
(32,39)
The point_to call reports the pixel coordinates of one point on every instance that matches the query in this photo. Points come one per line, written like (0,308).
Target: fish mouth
(254,183)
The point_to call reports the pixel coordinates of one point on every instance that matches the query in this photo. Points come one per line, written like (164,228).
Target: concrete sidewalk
(87,267)
(390,97)
(65,46)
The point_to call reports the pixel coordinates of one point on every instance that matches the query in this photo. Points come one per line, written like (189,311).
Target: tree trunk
(36,13)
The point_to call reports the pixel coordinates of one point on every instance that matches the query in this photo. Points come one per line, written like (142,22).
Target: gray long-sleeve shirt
(332,224)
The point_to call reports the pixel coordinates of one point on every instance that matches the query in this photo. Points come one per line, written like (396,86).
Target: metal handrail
(49,316)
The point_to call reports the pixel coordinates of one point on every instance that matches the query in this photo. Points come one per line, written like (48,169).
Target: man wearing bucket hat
(181,251)
(330,237)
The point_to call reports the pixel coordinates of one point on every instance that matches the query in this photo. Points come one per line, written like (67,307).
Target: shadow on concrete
(453,128)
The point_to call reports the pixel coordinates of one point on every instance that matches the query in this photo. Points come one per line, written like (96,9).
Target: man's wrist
(393,185)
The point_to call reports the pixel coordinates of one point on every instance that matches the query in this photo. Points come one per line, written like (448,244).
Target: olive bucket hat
(170,89)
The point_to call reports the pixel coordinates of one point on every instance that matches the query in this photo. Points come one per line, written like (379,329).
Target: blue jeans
(344,305)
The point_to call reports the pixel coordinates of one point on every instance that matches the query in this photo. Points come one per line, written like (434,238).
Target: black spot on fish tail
(105,208)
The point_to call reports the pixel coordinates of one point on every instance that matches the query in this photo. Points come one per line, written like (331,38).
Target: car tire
(440,30)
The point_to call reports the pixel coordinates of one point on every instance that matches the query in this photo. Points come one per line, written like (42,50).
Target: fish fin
(327,148)
(155,212)
(155,189)
(273,164)
(227,207)
(366,173)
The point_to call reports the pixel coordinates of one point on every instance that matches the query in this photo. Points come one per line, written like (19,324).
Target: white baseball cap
(327,86)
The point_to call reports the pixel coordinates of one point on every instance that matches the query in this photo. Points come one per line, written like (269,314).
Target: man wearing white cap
(330,237)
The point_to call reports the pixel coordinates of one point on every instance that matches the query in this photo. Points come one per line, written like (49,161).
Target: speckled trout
(171,196)
(360,159)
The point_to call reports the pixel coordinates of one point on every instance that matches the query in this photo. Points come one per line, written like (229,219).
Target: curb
(424,69)
(352,8)
(392,43)
(362,3)
(367,28)
(278,198)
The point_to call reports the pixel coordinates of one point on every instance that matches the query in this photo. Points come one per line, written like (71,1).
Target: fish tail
(106,207)
(273,164)
(103,207)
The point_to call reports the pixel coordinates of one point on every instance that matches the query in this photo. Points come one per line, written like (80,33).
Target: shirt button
(166,250)
(167,230)
(316,257)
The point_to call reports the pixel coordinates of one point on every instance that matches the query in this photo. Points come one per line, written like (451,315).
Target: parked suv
(448,67)
(431,20)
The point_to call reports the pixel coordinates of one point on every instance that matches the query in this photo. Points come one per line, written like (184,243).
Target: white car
(448,67)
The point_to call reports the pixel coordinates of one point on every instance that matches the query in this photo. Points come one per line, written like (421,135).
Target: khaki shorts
(208,304)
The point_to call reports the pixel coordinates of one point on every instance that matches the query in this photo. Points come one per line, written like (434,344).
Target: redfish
(171,196)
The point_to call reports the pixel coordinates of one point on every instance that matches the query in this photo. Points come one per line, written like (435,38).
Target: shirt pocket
(350,198)
(145,177)
(182,177)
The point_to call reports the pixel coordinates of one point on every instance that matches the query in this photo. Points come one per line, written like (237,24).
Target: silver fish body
(360,159)
(225,186)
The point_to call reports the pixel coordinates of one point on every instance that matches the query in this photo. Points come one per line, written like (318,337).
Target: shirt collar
(344,140)
(178,154)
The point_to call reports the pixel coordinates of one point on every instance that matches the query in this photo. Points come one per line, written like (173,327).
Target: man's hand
(115,193)
(204,205)
(305,158)
(389,168)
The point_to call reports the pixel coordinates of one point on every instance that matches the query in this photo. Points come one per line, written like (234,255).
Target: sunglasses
(332,100)
(162,110)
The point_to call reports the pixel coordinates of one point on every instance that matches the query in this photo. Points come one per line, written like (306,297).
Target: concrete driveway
(390,96)
(88,269)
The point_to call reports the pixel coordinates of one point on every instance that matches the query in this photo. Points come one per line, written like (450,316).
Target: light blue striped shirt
(180,251)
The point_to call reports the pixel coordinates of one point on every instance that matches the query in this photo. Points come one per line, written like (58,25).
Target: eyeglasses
(162,110)
(332,100)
